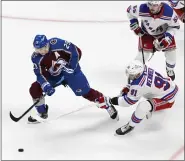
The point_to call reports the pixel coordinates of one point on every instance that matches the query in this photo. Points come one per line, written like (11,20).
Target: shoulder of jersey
(168,11)
(36,57)
(173,3)
(139,82)
(55,43)
(55,40)
(144,10)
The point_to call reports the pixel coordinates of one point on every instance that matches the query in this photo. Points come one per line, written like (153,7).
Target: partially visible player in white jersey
(159,23)
(159,92)
(179,8)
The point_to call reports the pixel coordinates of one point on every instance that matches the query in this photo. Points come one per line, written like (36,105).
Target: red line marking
(68,21)
(177,153)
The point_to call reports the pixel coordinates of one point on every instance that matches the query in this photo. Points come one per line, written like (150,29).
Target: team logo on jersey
(53,41)
(57,66)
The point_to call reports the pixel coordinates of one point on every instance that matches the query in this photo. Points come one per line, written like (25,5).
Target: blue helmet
(40,41)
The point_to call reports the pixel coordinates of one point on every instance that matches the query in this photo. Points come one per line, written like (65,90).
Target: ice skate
(104,103)
(124,129)
(34,120)
(170,74)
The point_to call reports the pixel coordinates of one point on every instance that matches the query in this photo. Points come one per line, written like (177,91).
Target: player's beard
(155,10)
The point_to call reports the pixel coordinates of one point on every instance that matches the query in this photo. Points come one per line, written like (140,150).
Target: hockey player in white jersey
(158,26)
(179,8)
(159,92)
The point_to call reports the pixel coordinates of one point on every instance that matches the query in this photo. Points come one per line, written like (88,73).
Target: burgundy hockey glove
(125,90)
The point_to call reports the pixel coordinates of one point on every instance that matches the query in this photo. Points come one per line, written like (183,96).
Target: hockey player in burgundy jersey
(56,62)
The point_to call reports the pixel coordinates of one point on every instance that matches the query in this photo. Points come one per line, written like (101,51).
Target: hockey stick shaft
(142,51)
(141,45)
(17,119)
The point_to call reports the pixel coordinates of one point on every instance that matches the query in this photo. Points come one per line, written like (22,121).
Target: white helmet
(134,69)
(154,6)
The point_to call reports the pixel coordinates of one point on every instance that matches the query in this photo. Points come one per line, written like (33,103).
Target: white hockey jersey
(176,4)
(150,84)
(155,25)
(178,7)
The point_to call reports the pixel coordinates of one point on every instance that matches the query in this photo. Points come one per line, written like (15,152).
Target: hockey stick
(16,119)
(129,81)
(142,51)
(151,57)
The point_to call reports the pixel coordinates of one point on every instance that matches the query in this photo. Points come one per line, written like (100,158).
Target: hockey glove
(134,25)
(164,43)
(103,102)
(125,90)
(48,89)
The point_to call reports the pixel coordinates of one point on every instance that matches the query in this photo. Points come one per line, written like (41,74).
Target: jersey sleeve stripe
(129,101)
(142,81)
(40,70)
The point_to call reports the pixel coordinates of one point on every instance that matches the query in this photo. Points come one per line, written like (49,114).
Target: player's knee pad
(92,95)
(145,107)
(36,90)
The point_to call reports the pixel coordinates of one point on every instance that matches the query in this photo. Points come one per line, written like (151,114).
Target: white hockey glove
(163,44)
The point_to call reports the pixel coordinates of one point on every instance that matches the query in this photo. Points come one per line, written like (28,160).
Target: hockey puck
(20,150)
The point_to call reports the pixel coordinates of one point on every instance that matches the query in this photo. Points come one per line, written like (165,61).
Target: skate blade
(36,122)
(116,119)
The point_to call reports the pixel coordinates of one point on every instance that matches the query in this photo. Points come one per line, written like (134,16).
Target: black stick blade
(13,117)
